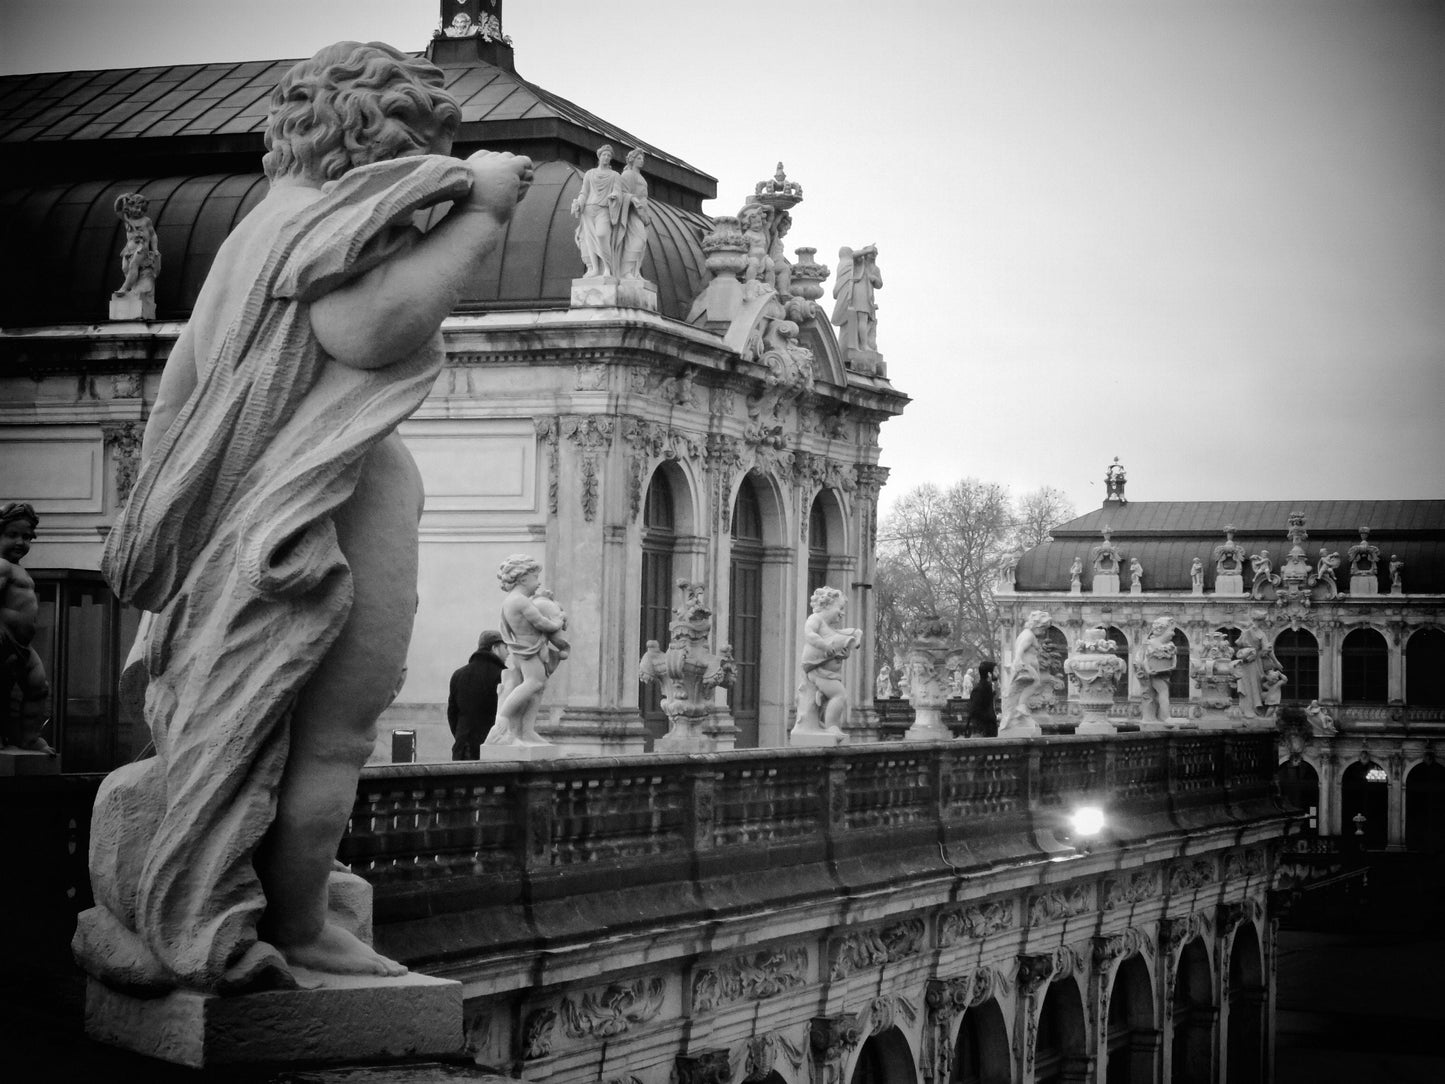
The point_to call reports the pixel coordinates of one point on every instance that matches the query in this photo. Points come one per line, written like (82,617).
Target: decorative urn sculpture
(1094,669)
(688,672)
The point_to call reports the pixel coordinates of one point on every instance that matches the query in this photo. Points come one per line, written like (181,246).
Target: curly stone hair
(14,510)
(514,568)
(353,104)
(824,597)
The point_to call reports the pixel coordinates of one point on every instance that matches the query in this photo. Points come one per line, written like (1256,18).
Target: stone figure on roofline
(600,209)
(1397,571)
(1325,568)
(1196,575)
(637,216)
(822,697)
(140,261)
(1157,658)
(1114,480)
(856,309)
(531,626)
(20,667)
(275,549)
(1076,572)
(1136,575)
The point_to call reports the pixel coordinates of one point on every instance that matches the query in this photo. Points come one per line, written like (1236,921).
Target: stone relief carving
(650,441)
(547,432)
(537,1033)
(124,441)
(1059,903)
(611,1010)
(755,976)
(704,1067)
(1241,866)
(762,1053)
(882,1013)
(125,385)
(1129,942)
(870,948)
(1189,876)
(830,1038)
(591,376)
(1135,888)
(976,921)
(591,435)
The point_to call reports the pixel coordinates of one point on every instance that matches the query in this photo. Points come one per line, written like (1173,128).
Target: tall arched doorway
(659,539)
(1132,1040)
(1179,690)
(982,1054)
(1425,809)
(1299,788)
(1246,1009)
(745,611)
(817,546)
(1061,1053)
(1365,789)
(885,1059)
(1192,1057)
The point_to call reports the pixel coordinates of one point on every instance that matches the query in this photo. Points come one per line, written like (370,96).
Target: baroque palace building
(874,913)
(1348,597)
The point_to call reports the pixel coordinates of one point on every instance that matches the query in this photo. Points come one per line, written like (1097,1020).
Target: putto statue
(1025,676)
(531,625)
(883,686)
(140,262)
(822,697)
(275,546)
(20,667)
(1157,658)
(856,309)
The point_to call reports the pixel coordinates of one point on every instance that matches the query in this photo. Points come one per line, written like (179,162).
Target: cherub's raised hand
(499,181)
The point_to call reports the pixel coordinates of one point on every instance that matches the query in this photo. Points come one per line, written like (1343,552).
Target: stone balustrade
(469,860)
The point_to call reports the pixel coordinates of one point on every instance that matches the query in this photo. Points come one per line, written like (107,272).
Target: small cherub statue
(546,602)
(20,666)
(528,630)
(825,647)
(140,259)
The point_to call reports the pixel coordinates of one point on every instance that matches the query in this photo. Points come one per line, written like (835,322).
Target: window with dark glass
(745,609)
(1364,668)
(1425,669)
(1179,676)
(1121,649)
(1299,657)
(658,591)
(817,547)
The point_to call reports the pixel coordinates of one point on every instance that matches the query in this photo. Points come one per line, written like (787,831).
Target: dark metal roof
(73,239)
(1166,536)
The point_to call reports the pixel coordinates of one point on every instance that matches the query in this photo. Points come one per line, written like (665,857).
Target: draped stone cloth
(228,541)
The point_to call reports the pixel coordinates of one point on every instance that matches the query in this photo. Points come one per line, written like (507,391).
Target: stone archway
(1061,1051)
(1132,1039)
(885,1059)
(1244,1058)
(982,1053)
(1194,1017)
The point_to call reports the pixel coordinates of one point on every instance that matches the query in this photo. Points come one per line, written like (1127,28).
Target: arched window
(1061,1050)
(1299,657)
(1056,650)
(982,1055)
(1232,635)
(1425,808)
(1121,649)
(817,546)
(1245,1054)
(1365,791)
(658,593)
(745,609)
(885,1059)
(1132,1038)
(1364,668)
(1179,676)
(1425,669)
(1299,788)
(1193,1061)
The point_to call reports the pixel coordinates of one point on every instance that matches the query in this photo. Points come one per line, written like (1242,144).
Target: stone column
(1395,674)
(1395,827)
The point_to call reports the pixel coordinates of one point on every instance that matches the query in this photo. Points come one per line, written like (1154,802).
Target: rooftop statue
(1106,554)
(272,532)
(856,309)
(600,209)
(140,261)
(636,216)
(1114,479)
(20,667)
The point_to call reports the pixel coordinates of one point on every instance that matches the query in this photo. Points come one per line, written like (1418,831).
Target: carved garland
(590,434)
(975,922)
(547,430)
(124,441)
(872,948)
(753,977)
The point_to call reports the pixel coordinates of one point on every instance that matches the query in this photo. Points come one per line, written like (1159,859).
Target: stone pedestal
(1025,730)
(608,291)
(521,752)
(1136,589)
(345,1018)
(1364,585)
(1229,583)
(813,739)
(927,725)
(1095,724)
(132,307)
(24,762)
(865,362)
(1105,583)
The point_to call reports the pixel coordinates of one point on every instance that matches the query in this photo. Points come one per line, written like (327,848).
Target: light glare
(1087,821)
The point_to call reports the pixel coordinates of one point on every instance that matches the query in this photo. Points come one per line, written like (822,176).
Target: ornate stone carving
(688,672)
(1188,876)
(704,1067)
(1136,887)
(650,441)
(829,1040)
(547,432)
(1057,903)
(125,386)
(1216,671)
(124,441)
(591,434)
(1094,669)
(871,948)
(611,1010)
(1238,866)
(754,976)
(1229,565)
(1114,481)
(1027,681)
(976,921)
(537,1034)
(1129,942)
(591,376)
(882,1013)
(763,1053)
(822,698)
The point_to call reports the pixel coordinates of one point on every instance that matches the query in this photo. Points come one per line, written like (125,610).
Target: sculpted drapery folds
(271,533)
(601,209)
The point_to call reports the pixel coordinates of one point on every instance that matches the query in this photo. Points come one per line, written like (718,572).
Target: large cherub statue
(272,532)
(20,667)
(1026,674)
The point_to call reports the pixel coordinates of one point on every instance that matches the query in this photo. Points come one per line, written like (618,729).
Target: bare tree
(1039,513)
(940,551)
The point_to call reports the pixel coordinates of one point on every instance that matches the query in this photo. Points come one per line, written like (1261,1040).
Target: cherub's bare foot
(337,952)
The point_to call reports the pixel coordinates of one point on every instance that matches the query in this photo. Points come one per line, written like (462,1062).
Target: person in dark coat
(982,716)
(472,704)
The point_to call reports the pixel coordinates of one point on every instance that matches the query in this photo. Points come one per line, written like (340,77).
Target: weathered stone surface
(350,1017)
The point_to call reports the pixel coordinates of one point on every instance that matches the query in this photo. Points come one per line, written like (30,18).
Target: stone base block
(865,362)
(521,752)
(1229,583)
(1096,726)
(132,308)
(812,739)
(349,1018)
(24,762)
(1022,730)
(607,292)
(1105,583)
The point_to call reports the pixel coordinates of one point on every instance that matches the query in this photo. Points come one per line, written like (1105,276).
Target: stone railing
(471,859)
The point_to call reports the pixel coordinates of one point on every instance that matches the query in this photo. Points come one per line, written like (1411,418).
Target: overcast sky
(1205,236)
